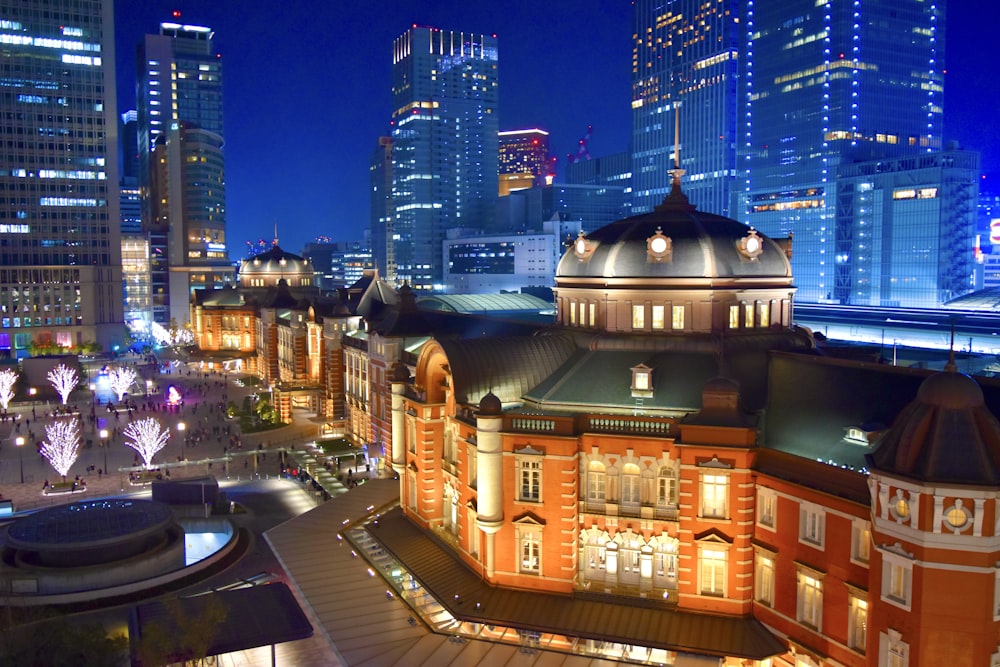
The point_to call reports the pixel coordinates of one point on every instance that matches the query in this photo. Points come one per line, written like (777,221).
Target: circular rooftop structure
(675,241)
(91,532)
(268,268)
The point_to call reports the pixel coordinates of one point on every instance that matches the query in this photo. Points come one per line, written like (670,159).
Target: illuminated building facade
(61,276)
(524,159)
(675,450)
(380,223)
(905,230)
(444,146)
(685,62)
(831,83)
(182,166)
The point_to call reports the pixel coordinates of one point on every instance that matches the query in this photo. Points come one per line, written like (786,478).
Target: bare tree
(147,437)
(64,379)
(121,378)
(7,379)
(62,445)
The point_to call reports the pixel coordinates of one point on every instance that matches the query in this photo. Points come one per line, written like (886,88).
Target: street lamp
(104,444)
(19,441)
(180,427)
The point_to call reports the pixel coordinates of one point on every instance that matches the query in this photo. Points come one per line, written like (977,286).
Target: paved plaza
(201,438)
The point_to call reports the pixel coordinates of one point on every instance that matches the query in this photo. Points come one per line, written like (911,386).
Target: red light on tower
(176,13)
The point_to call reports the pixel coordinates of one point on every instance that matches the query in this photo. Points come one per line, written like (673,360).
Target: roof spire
(275,242)
(676,198)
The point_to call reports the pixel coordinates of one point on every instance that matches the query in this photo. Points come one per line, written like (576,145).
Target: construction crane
(581,152)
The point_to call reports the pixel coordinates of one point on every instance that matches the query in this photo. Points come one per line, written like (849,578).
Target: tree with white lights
(120,379)
(62,445)
(147,437)
(7,379)
(64,379)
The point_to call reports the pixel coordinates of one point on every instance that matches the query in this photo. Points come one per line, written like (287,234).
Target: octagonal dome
(676,241)
(269,267)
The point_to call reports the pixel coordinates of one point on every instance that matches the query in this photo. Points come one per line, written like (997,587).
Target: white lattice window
(530,479)
(714,495)
(897,577)
(767,507)
(809,608)
(630,487)
(712,564)
(812,519)
(529,549)
(596,482)
(861,538)
(764,578)
(857,623)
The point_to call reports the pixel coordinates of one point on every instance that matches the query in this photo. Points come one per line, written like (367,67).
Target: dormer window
(642,381)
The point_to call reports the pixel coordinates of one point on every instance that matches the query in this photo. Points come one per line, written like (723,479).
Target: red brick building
(676,445)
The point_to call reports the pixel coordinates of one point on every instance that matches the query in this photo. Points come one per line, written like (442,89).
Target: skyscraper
(61,275)
(182,166)
(524,159)
(444,146)
(830,83)
(685,60)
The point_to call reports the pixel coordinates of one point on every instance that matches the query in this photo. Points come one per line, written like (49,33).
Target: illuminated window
(957,518)
(712,563)
(861,538)
(809,608)
(857,622)
(893,651)
(714,495)
(764,577)
(593,313)
(657,317)
(630,484)
(734,317)
(748,320)
(677,319)
(767,507)
(572,313)
(765,314)
(897,575)
(596,482)
(638,317)
(666,487)
(529,548)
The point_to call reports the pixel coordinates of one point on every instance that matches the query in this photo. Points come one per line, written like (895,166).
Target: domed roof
(490,405)
(675,241)
(278,263)
(946,435)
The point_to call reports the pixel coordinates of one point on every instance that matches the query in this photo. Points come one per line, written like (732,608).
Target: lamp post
(180,428)
(31,392)
(104,445)
(19,441)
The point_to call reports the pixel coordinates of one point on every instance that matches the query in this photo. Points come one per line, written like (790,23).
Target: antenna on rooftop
(950,366)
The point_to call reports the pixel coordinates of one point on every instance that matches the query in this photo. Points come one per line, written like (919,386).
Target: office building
(487,264)
(590,206)
(685,64)
(828,84)
(338,264)
(905,230)
(444,146)
(182,166)
(61,276)
(380,223)
(524,159)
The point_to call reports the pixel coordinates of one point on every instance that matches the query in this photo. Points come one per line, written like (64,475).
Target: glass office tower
(685,60)
(60,253)
(444,146)
(182,166)
(831,83)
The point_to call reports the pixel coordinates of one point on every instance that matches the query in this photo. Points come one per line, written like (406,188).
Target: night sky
(307,91)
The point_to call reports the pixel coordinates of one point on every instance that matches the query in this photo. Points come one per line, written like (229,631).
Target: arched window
(666,487)
(630,493)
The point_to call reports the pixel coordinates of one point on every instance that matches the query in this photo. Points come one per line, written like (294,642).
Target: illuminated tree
(7,379)
(62,444)
(64,379)
(121,378)
(147,437)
